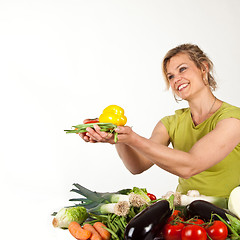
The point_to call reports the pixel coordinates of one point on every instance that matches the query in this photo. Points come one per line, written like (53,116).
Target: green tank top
(218,180)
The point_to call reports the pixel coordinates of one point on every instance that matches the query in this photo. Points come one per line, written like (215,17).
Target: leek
(137,200)
(120,208)
(136,197)
(93,199)
(192,195)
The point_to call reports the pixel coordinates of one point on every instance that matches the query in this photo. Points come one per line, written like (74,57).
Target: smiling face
(185,78)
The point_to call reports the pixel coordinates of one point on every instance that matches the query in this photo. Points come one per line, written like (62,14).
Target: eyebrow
(176,67)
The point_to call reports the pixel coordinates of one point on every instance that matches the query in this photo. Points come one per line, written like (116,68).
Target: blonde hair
(197,56)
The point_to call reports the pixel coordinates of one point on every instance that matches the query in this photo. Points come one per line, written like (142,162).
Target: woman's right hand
(94,135)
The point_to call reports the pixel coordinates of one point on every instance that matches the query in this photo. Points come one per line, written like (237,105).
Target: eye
(181,69)
(170,77)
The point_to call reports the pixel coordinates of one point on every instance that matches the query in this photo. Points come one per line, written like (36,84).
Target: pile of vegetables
(111,117)
(135,214)
(114,209)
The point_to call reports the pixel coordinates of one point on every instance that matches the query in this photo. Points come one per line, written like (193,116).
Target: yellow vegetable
(113,114)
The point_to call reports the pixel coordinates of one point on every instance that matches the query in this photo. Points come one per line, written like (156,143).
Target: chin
(179,97)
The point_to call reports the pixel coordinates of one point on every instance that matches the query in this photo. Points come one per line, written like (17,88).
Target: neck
(201,109)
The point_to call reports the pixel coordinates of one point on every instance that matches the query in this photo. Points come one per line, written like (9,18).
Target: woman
(205,137)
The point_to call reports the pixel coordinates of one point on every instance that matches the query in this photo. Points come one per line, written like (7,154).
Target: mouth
(182,86)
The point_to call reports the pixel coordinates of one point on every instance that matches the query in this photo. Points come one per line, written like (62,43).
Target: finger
(105,135)
(91,137)
(96,127)
(92,134)
(123,130)
(84,137)
(109,135)
(92,141)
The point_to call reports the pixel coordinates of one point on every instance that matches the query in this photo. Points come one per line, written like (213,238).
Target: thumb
(121,129)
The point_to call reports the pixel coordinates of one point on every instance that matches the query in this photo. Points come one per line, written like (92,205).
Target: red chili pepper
(93,120)
(151,196)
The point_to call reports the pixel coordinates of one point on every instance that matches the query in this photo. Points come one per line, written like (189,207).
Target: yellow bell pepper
(113,114)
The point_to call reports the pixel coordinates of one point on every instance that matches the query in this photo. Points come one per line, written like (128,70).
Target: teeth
(182,86)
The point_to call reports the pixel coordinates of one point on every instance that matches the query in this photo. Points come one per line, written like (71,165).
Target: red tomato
(217,231)
(173,231)
(94,120)
(175,214)
(194,232)
(196,221)
(151,196)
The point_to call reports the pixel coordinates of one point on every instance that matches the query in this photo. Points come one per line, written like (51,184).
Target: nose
(177,79)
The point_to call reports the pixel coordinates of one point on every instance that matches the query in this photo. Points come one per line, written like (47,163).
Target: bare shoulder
(228,130)
(160,134)
(229,123)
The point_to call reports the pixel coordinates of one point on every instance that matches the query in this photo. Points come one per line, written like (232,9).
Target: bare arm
(133,159)
(139,153)
(208,151)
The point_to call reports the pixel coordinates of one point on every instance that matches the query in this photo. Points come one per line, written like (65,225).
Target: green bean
(113,216)
(113,233)
(104,127)
(123,222)
(115,137)
(113,226)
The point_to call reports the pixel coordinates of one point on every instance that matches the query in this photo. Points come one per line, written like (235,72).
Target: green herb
(234,222)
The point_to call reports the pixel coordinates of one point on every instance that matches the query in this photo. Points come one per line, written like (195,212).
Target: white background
(64,61)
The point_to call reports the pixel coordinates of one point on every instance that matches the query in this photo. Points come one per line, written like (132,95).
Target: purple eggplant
(148,224)
(204,210)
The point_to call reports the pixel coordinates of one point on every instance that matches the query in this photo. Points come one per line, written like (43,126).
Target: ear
(205,68)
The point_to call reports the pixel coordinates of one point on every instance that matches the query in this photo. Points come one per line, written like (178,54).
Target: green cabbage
(142,192)
(67,215)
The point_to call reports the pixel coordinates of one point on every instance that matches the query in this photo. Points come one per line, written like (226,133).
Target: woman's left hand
(125,134)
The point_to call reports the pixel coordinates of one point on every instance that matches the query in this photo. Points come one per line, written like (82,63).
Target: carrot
(78,232)
(105,234)
(95,234)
